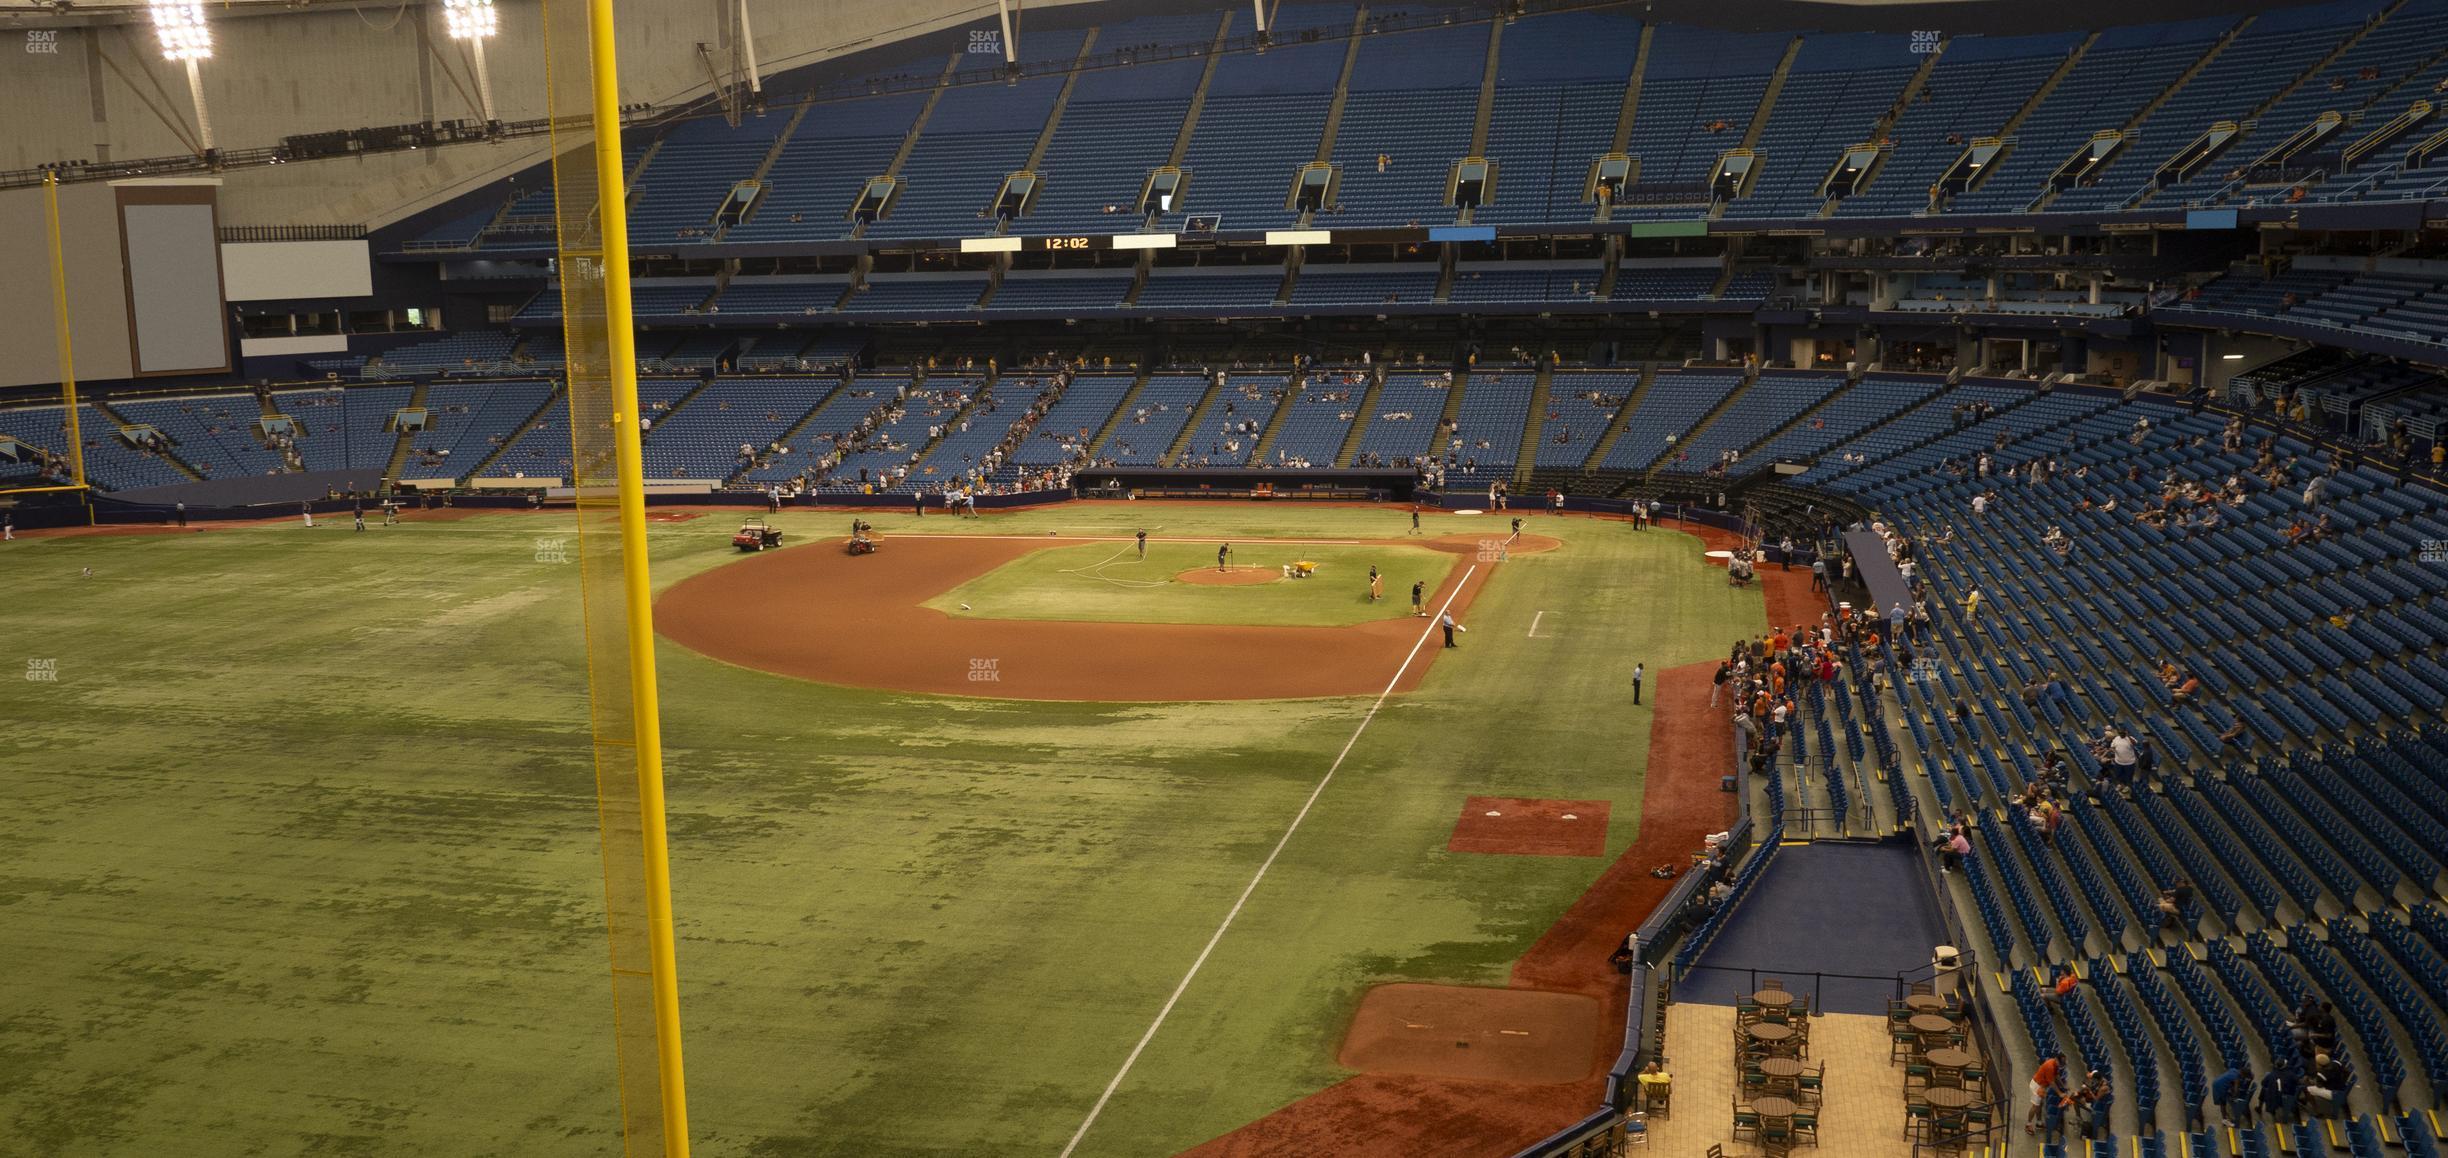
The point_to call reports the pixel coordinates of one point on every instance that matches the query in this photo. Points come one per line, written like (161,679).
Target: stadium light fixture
(471,19)
(475,21)
(187,39)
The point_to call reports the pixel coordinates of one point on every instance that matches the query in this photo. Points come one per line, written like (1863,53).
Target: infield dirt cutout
(1525,827)
(818,613)
(1455,1031)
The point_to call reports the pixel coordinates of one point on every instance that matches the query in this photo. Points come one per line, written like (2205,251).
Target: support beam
(195,92)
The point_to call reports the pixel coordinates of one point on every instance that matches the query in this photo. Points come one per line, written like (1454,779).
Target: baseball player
(1376,584)
(1143,544)
(1419,599)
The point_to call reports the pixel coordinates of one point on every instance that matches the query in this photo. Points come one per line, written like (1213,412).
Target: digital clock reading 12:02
(1069,242)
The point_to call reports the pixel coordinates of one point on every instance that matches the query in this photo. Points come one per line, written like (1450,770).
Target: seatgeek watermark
(1925,42)
(552,550)
(42,41)
(985,671)
(985,42)
(42,671)
(2433,551)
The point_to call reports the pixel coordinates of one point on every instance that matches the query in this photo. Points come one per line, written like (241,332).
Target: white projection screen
(176,315)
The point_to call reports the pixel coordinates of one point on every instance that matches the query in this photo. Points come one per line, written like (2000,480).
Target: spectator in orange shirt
(2044,1080)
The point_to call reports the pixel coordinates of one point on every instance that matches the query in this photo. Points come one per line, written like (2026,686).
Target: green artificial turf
(302,852)
(1109,581)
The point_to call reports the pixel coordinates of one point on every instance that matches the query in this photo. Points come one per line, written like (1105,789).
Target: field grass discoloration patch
(301,887)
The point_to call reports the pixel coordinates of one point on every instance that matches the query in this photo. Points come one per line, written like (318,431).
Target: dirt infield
(1455,1031)
(1400,1115)
(1526,827)
(816,613)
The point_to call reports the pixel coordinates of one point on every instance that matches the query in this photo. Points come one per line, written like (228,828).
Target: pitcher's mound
(1453,1031)
(1237,577)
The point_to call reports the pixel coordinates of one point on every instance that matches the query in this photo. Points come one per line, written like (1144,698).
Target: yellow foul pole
(618,320)
(67,356)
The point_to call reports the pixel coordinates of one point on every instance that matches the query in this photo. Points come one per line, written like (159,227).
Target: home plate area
(1525,827)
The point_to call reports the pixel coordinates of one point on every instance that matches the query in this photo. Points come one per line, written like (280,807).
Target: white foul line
(1534,621)
(1201,961)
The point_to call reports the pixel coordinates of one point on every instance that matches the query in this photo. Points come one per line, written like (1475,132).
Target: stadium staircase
(1768,96)
(1342,93)
(1632,88)
(1053,122)
(2039,96)
(1140,271)
(2252,120)
(404,440)
(1623,417)
(994,281)
(1724,404)
(118,421)
(1275,425)
(1291,277)
(2134,121)
(1481,120)
(1851,380)
(1609,268)
(790,434)
(1366,411)
(290,459)
(2378,21)
(1887,121)
(975,410)
(909,140)
(1446,270)
(1525,463)
(629,180)
(1122,409)
(1725,277)
(1199,419)
(1198,96)
(557,394)
(764,167)
(1623,120)
(1453,407)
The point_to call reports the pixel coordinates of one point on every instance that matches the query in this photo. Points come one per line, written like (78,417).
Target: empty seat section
(1261,121)
(1559,93)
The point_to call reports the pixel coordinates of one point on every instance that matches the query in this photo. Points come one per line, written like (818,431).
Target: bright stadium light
(471,19)
(184,34)
(187,39)
(475,22)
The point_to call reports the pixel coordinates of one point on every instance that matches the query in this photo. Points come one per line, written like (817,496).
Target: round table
(1925,1003)
(1780,1067)
(1773,1106)
(1771,1033)
(1772,998)
(1947,1097)
(1930,1023)
(1949,1058)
